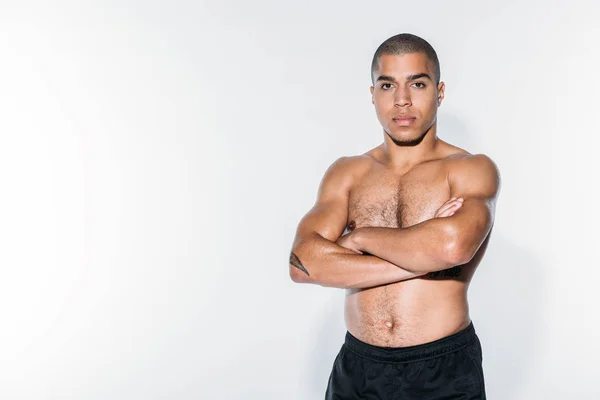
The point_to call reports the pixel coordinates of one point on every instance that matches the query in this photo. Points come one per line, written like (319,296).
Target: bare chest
(384,200)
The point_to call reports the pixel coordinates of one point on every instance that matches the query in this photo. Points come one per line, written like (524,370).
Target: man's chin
(406,139)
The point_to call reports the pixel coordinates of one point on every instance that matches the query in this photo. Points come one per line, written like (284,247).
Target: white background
(156,157)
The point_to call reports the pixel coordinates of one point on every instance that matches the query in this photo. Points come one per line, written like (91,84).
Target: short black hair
(405,43)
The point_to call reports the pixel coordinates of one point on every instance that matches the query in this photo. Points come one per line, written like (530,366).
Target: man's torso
(417,310)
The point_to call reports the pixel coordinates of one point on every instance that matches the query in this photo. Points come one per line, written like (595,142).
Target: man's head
(406,87)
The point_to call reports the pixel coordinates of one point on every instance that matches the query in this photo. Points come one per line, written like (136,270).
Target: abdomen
(407,313)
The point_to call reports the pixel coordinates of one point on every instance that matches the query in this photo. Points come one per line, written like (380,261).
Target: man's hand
(347,242)
(449,208)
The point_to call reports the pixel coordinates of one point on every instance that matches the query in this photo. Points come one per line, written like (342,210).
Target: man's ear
(441,89)
(372,98)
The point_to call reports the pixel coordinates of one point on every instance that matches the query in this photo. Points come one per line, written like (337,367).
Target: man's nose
(402,98)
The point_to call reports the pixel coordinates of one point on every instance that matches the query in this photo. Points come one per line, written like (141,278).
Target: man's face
(405,96)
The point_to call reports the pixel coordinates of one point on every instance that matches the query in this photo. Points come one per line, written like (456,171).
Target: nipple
(351,225)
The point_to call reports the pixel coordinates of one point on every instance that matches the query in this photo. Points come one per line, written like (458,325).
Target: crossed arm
(319,255)
(439,243)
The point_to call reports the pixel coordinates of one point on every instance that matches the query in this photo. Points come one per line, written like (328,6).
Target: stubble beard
(407,142)
(411,142)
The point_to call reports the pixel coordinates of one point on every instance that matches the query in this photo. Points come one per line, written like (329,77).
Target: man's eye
(419,85)
(386,86)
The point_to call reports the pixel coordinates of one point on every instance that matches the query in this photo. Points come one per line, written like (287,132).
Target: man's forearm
(426,247)
(320,261)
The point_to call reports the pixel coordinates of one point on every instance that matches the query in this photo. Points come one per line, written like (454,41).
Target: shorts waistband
(418,352)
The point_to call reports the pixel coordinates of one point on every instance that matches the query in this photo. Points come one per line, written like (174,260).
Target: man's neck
(405,157)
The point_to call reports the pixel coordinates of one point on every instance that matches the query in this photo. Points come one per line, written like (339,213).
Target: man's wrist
(358,237)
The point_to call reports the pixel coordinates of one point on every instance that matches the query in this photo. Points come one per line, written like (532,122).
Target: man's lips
(403,120)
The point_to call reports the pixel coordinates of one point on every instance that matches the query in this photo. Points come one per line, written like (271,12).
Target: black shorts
(448,368)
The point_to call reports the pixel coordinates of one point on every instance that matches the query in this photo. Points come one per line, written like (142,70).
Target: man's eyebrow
(385,78)
(408,78)
(418,76)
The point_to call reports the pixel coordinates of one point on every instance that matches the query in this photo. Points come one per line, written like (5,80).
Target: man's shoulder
(467,162)
(351,165)
(344,172)
(473,170)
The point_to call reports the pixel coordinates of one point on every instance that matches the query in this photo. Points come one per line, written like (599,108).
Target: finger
(450,211)
(450,202)
(449,206)
(455,199)
(445,214)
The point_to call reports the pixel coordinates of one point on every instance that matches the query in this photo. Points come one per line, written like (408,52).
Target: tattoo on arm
(453,272)
(295,261)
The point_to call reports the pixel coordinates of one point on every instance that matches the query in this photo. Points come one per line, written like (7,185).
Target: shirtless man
(402,228)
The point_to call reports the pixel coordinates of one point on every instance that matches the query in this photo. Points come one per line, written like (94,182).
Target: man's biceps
(326,222)
(332,226)
(475,210)
(475,201)
(337,207)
